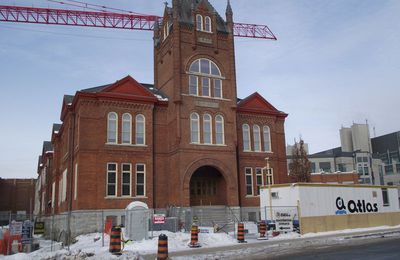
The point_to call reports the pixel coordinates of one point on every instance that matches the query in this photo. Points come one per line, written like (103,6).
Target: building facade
(184,141)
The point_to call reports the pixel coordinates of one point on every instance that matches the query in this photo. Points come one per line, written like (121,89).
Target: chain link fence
(63,228)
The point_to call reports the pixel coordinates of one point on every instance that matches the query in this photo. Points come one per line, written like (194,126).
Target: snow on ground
(90,246)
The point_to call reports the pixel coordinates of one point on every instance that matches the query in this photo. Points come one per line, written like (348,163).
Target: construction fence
(141,223)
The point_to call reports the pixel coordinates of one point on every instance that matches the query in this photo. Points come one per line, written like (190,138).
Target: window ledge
(129,145)
(124,197)
(213,145)
(207,97)
(245,151)
(252,196)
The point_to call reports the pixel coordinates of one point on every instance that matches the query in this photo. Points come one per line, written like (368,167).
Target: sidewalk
(276,247)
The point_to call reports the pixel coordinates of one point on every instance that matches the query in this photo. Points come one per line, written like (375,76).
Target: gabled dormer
(256,104)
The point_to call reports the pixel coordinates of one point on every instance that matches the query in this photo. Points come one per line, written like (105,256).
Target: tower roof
(185,12)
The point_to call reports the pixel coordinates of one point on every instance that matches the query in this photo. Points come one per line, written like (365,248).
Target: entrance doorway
(207,187)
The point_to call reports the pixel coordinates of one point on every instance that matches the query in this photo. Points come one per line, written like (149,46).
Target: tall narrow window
(267,139)
(140,179)
(205,86)
(140,129)
(53,194)
(126,129)
(207,24)
(64,186)
(207,129)
(111,179)
(249,180)
(112,128)
(217,88)
(219,130)
(199,22)
(385,197)
(259,179)
(194,128)
(256,138)
(126,179)
(246,137)
(193,85)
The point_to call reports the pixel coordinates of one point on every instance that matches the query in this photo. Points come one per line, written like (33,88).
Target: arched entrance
(207,187)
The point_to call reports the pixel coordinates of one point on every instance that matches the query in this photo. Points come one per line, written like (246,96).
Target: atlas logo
(359,206)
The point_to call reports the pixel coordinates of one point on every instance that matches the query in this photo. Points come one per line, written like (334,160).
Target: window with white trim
(249,180)
(126,179)
(259,179)
(193,85)
(126,128)
(140,179)
(199,22)
(210,81)
(194,128)
(53,194)
(140,130)
(219,130)
(111,180)
(246,137)
(64,186)
(256,138)
(207,24)
(207,129)
(112,128)
(267,139)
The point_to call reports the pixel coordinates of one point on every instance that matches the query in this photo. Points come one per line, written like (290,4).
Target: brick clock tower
(185,141)
(194,64)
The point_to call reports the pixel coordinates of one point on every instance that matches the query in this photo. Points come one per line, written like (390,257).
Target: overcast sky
(335,62)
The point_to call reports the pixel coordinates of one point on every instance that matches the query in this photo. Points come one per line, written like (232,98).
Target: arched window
(194,128)
(140,129)
(256,138)
(267,139)
(204,75)
(246,137)
(219,130)
(112,128)
(199,22)
(126,129)
(207,129)
(207,24)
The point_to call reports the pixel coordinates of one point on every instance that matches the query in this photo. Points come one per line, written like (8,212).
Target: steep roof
(149,87)
(256,104)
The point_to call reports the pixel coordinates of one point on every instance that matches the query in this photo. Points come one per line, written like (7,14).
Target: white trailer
(324,207)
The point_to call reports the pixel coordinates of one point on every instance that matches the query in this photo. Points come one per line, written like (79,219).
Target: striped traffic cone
(240,233)
(194,237)
(162,253)
(263,230)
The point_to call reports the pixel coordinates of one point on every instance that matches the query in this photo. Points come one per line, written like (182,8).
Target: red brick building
(185,141)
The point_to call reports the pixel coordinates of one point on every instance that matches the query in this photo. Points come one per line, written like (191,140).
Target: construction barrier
(240,233)
(115,241)
(263,230)
(162,253)
(194,237)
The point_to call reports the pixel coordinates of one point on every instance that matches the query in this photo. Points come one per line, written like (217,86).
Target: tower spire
(229,8)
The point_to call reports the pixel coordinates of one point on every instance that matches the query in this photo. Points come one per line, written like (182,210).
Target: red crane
(107,19)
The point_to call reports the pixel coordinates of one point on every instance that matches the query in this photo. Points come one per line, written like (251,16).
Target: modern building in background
(387,149)
(354,156)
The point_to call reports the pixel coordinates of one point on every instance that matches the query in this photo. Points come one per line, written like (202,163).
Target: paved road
(378,248)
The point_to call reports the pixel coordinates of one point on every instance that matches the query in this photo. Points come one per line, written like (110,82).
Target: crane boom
(36,15)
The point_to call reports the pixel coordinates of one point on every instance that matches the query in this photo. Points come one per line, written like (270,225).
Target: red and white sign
(159,219)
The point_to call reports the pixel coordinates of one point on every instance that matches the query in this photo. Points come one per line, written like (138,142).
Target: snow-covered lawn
(90,245)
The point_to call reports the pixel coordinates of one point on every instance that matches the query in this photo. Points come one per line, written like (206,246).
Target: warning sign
(159,219)
(284,221)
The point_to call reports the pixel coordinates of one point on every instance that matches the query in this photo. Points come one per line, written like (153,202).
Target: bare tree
(300,167)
